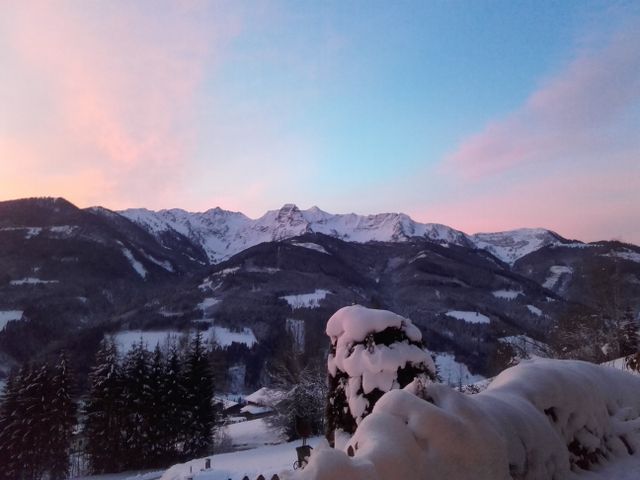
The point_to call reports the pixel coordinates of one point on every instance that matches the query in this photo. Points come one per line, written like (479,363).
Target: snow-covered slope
(222,233)
(514,244)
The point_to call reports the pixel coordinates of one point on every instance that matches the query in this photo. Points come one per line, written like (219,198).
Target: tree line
(147,409)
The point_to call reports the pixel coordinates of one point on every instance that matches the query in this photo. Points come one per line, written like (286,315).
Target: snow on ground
(126,339)
(253,434)
(311,246)
(454,373)
(512,245)
(7,316)
(265,461)
(534,310)
(206,303)
(63,230)
(507,294)
(625,254)
(555,272)
(132,475)
(135,264)
(469,317)
(224,337)
(166,264)
(306,300)
(29,232)
(531,423)
(266,396)
(526,346)
(32,281)
(296,330)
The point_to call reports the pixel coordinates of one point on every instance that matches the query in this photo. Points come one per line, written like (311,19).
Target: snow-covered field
(555,272)
(126,339)
(625,254)
(135,264)
(507,294)
(306,300)
(454,373)
(252,434)
(224,337)
(7,316)
(534,310)
(32,281)
(311,246)
(469,317)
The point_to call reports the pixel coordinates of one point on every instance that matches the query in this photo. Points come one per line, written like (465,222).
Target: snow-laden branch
(541,420)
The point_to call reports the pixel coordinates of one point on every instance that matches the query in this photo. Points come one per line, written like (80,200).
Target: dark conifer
(9,422)
(62,420)
(175,415)
(136,403)
(156,409)
(103,411)
(198,382)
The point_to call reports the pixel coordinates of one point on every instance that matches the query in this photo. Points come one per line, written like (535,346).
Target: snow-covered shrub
(372,352)
(539,420)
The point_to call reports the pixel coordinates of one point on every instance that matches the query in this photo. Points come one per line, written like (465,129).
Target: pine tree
(8,424)
(103,411)
(31,436)
(174,412)
(136,403)
(62,419)
(156,409)
(389,355)
(198,384)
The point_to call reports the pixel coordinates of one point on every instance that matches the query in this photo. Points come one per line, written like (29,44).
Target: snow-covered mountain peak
(511,245)
(222,233)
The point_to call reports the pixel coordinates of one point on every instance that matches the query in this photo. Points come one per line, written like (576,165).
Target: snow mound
(359,366)
(543,419)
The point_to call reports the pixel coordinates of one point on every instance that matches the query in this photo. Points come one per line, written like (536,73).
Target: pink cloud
(105,89)
(586,204)
(583,113)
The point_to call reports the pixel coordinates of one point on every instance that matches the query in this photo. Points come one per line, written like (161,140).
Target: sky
(481,115)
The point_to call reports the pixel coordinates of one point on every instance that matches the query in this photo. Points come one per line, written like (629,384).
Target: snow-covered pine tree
(198,386)
(9,424)
(372,352)
(62,417)
(156,409)
(136,406)
(173,398)
(103,410)
(32,435)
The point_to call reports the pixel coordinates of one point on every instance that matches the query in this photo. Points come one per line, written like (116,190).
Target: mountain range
(222,234)
(70,276)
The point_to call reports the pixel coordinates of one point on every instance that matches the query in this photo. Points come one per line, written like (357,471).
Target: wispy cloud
(567,159)
(586,112)
(105,92)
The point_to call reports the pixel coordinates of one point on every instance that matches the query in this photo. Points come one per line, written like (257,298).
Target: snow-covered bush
(539,420)
(372,352)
